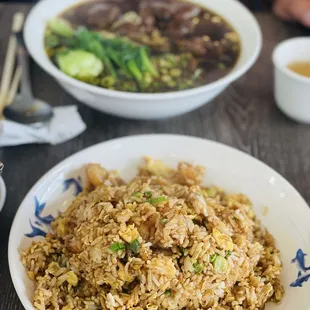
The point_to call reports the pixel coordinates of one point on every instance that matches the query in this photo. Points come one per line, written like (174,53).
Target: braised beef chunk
(161,9)
(213,29)
(180,29)
(102,15)
(197,46)
(187,12)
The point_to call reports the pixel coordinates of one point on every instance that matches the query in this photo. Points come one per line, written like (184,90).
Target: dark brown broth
(207,40)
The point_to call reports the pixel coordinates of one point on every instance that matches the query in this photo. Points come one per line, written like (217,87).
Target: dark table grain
(244,116)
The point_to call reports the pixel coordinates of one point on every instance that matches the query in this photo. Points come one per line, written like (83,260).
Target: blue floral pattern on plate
(76,183)
(303,272)
(41,225)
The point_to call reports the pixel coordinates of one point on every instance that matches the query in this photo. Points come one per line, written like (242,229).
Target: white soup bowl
(139,105)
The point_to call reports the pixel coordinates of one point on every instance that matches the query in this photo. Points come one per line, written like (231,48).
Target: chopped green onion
(148,194)
(134,246)
(116,246)
(220,264)
(157,200)
(213,258)
(168,292)
(164,221)
(229,252)
(182,250)
(198,267)
(137,194)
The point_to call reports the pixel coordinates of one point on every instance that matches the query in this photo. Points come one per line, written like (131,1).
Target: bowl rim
(289,73)
(222,82)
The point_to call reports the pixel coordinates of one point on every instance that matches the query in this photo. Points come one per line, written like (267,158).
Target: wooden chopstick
(14,86)
(18,21)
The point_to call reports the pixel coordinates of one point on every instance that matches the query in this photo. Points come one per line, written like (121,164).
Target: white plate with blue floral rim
(288,218)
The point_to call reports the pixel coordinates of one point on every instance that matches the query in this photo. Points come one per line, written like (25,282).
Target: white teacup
(292,91)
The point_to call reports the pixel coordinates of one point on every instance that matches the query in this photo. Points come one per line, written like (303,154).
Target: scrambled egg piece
(129,234)
(224,241)
(156,167)
(163,266)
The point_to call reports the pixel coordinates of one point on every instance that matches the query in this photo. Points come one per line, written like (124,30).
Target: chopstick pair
(9,85)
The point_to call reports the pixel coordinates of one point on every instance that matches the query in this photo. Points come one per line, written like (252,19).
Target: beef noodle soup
(144,46)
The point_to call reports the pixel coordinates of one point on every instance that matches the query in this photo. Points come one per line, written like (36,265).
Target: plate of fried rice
(161,222)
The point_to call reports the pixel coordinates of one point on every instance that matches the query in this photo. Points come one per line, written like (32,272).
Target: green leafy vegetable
(229,252)
(134,70)
(168,292)
(116,246)
(197,268)
(128,56)
(61,27)
(157,200)
(146,62)
(134,246)
(79,63)
(213,258)
(131,58)
(116,53)
(90,42)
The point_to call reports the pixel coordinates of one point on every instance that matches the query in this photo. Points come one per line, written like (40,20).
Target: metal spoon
(25,108)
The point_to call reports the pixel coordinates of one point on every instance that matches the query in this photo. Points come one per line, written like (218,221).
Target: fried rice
(161,241)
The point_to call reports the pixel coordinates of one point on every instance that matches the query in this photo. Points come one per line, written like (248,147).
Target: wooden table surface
(244,116)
